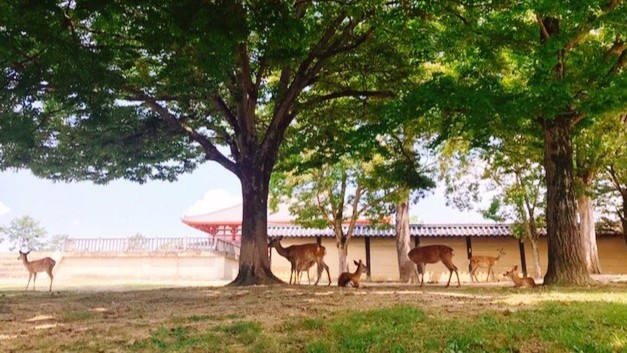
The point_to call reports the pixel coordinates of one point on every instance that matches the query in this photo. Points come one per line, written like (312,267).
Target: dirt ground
(31,320)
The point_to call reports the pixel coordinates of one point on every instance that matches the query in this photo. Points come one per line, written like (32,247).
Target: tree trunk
(566,264)
(535,254)
(588,233)
(531,233)
(405,265)
(623,218)
(254,263)
(342,255)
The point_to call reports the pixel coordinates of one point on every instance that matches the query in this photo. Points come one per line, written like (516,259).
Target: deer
(42,265)
(432,254)
(352,278)
(523,282)
(484,262)
(301,258)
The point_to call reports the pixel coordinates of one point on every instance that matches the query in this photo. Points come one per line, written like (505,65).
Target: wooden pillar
(416,241)
(523,259)
(368,271)
(319,240)
(469,251)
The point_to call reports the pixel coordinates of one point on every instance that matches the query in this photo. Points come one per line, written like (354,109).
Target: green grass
(550,327)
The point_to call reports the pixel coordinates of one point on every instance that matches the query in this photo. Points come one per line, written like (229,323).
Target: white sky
(154,209)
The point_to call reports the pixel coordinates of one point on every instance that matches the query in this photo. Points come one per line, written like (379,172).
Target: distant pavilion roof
(227,222)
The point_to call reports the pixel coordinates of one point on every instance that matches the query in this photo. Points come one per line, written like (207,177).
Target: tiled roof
(421,230)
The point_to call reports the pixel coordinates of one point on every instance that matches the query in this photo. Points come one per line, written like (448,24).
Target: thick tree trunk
(588,233)
(405,265)
(254,263)
(566,264)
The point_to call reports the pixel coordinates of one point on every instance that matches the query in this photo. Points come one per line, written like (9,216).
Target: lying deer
(523,282)
(431,254)
(301,258)
(352,278)
(46,264)
(484,262)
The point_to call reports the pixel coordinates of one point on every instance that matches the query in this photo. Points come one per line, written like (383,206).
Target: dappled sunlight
(40,318)
(533,297)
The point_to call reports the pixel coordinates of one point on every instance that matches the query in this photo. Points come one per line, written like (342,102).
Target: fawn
(485,262)
(301,258)
(519,281)
(352,278)
(42,265)
(431,254)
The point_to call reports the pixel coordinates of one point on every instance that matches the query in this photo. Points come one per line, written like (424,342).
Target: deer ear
(356,263)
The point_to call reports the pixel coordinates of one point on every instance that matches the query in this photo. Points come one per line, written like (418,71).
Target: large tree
(556,64)
(99,90)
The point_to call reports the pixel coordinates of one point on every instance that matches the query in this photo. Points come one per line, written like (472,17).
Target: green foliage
(24,233)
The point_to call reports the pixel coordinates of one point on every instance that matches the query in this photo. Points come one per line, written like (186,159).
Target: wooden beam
(523,260)
(368,271)
(469,251)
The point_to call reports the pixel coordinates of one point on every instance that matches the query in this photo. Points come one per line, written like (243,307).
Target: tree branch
(226,112)
(211,152)
(349,93)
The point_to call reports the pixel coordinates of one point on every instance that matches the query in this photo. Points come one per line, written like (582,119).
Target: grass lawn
(378,318)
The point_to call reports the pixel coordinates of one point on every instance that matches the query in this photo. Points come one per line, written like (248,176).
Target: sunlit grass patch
(78,315)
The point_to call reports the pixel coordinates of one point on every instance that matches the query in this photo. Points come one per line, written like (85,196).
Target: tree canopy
(146,90)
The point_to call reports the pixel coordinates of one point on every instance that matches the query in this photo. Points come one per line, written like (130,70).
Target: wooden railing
(149,244)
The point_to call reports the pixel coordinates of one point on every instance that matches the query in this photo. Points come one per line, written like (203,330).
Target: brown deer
(431,254)
(301,258)
(42,265)
(352,278)
(484,262)
(523,282)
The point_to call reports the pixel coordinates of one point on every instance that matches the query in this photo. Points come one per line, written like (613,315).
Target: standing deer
(431,254)
(484,262)
(46,264)
(352,278)
(523,282)
(301,258)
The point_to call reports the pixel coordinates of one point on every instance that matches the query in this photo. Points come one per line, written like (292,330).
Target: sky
(154,209)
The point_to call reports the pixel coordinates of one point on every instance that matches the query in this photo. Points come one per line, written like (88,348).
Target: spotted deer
(431,254)
(301,258)
(42,265)
(522,282)
(484,262)
(352,278)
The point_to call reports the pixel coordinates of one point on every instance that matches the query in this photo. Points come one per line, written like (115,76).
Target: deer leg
(421,269)
(30,275)
(292,273)
(51,278)
(319,268)
(451,268)
(34,279)
(328,274)
(473,274)
(457,275)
